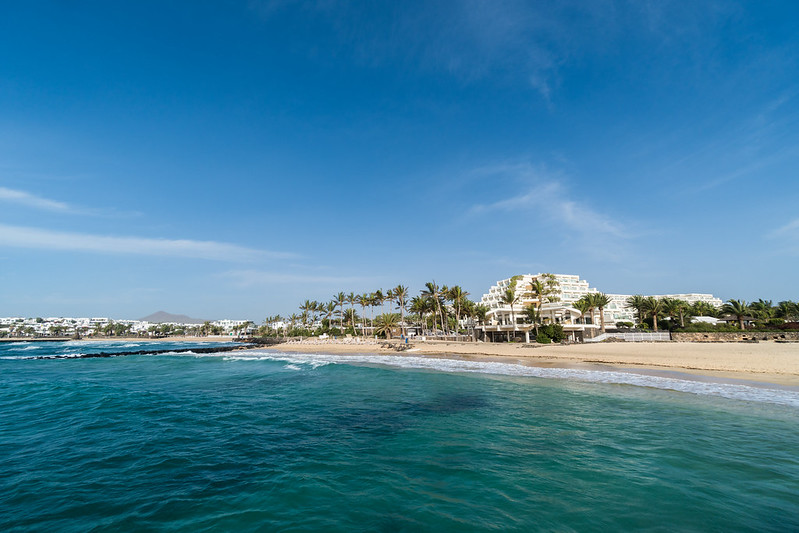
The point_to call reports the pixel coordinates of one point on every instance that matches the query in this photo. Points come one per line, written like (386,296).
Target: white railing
(633,337)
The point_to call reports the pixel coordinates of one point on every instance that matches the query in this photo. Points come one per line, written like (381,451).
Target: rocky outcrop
(736,336)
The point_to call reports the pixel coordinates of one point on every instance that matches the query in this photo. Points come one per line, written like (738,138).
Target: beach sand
(762,362)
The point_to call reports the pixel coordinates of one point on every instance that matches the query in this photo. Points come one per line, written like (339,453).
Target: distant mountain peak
(160,317)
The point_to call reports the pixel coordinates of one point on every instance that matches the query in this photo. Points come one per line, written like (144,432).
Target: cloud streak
(251,278)
(43,239)
(549,199)
(790,230)
(32,200)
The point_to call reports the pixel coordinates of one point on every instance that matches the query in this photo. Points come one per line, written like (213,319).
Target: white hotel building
(566,290)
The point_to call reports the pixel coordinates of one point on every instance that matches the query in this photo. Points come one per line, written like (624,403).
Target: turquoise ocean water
(279,442)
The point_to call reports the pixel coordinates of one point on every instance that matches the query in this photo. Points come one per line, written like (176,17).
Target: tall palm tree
(380,298)
(400,293)
(590,305)
(340,299)
(683,308)
(537,290)
(306,310)
(293,318)
(419,305)
(653,307)
(433,292)
(600,300)
(533,316)
(363,301)
(510,298)
(458,297)
(352,300)
(737,308)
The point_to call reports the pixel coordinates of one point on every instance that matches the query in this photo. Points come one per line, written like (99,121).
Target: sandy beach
(765,362)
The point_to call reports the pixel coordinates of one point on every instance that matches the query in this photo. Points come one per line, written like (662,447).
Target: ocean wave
(732,391)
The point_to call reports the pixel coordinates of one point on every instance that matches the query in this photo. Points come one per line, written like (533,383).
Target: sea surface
(264,441)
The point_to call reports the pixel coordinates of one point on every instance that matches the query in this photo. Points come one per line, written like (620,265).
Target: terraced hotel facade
(558,306)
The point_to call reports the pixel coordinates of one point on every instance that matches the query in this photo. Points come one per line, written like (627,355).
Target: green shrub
(554,332)
(543,338)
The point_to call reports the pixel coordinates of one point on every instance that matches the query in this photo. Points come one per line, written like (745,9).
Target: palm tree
(762,309)
(788,310)
(600,300)
(481,313)
(380,298)
(306,310)
(340,299)
(351,317)
(400,293)
(386,323)
(458,297)
(588,300)
(293,319)
(352,299)
(363,301)
(509,298)
(582,305)
(637,302)
(533,316)
(653,306)
(700,308)
(738,309)
(419,305)
(682,307)
(433,292)
(328,310)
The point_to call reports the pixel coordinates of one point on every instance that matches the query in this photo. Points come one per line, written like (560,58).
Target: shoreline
(755,364)
(751,363)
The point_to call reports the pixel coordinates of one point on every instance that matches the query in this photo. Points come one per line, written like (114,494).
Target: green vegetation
(442,310)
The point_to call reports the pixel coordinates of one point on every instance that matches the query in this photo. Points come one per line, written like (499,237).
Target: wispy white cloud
(786,238)
(789,230)
(35,201)
(540,199)
(549,199)
(26,237)
(253,278)
(32,200)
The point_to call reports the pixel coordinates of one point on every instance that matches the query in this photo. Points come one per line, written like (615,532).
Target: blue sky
(232,159)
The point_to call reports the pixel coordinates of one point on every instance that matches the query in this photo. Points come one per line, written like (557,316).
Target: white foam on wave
(733,391)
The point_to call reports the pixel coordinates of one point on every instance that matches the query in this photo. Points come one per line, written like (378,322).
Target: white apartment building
(558,307)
